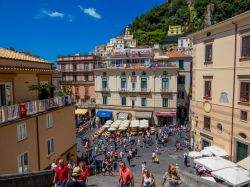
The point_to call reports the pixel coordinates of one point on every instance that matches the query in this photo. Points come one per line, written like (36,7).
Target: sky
(49,28)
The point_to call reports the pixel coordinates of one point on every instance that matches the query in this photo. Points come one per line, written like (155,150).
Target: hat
(77,171)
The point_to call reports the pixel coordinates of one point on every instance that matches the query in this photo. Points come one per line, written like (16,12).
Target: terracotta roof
(11,54)
(177,54)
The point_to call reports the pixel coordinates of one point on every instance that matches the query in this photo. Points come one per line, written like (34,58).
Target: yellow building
(221,86)
(33,132)
(174,30)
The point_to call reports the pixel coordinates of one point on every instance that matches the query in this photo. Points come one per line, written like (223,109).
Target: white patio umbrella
(235,176)
(112,129)
(214,163)
(217,151)
(245,163)
(194,154)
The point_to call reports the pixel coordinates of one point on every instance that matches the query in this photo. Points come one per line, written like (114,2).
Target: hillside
(194,14)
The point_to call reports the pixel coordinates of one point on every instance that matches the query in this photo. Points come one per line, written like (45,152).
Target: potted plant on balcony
(45,91)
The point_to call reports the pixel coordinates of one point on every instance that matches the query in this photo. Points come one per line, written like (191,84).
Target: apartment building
(132,86)
(56,78)
(77,72)
(221,86)
(33,131)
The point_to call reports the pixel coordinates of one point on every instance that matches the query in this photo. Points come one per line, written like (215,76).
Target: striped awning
(143,115)
(122,116)
(81,111)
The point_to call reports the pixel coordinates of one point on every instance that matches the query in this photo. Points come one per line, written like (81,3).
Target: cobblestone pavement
(167,155)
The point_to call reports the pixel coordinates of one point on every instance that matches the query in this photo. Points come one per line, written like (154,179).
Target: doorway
(241,151)
(205,143)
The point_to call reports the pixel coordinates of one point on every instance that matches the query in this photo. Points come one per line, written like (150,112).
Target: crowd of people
(117,150)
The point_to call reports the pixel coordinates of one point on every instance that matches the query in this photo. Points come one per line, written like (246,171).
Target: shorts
(125,184)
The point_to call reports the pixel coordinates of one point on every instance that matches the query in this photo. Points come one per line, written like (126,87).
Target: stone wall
(196,181)
(34,179)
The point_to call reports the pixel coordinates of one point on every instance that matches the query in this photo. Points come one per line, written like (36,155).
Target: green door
(242,150)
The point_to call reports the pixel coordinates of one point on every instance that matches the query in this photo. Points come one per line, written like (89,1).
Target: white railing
(32,107)
(13,112)
(1,114)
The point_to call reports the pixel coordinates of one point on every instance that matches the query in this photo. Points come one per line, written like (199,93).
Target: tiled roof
(177,54)
(15,55)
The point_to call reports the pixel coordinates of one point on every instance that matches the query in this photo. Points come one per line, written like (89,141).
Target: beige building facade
(77,72)
(132,85)
(221,86)
(32,131)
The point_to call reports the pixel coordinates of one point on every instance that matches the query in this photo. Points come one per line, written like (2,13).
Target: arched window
(165,73)
(242,135)
(133,73)
(104,74)
(123,74)
(143,73)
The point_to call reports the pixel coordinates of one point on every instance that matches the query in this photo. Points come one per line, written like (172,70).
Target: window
(207,121)
(245,92)
(50,146)
(21,131)
(86,66)
(74,67)
(123,83)
(143,73)
(181,64)
(245,46)
(143,83)
(208,54)
(49,120)
(123,74)
(63,67)
(165,102)
(243,115)
(143,101)
(133,86)
(104,83)
(165,73)
(164,83)
(105,100)
(133,103)
(22,162)
(207,90)
(123,101)
(180,95)
(104,74)
(133,73)
(181,80)
(5,93)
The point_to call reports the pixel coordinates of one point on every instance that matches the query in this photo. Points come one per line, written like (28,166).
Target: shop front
(140,115)
(104,115)
(166,118)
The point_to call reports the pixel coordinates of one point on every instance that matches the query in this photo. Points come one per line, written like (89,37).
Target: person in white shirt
(143,166)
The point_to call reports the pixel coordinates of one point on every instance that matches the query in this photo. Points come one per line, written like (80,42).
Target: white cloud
(45,13)
(52,14)
(91,12)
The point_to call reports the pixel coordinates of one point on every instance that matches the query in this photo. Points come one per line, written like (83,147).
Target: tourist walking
(85,172)
(126,178)
(75,180)
(147,179)
(62,174)
(171,178)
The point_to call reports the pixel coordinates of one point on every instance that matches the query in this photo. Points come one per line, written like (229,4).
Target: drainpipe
(234,74)
(38,144)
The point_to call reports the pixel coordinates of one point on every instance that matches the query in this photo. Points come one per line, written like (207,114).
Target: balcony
(145,90)
(105,90)
(165,90)
(124,90)
(18,111)
(66,82)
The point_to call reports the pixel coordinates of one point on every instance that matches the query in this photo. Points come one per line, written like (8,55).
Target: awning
(217,151)
(104,114)
(143,115)
(81,111)
(122,116)
(165,113)
(245,163)
(234,176)
(214,163)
